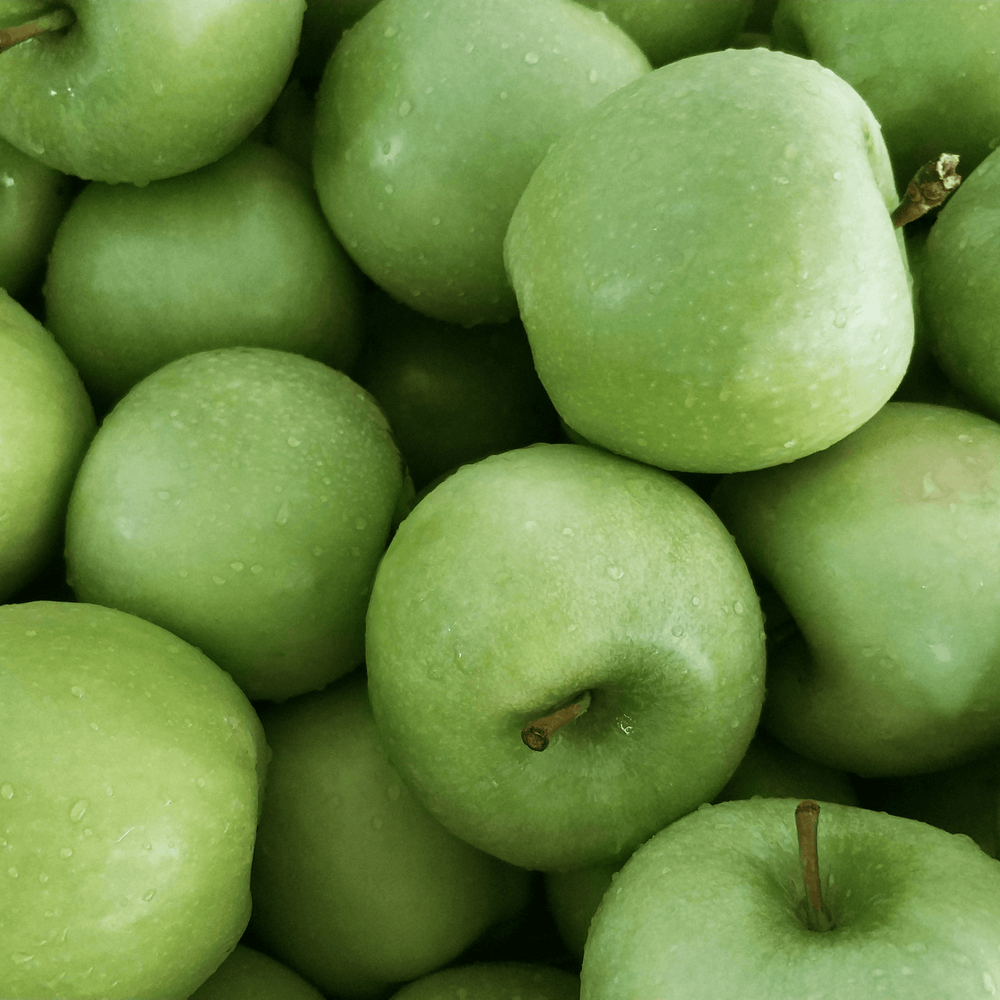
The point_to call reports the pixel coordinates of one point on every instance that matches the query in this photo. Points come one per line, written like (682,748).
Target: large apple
(137,90)
(707,269)
(130,782)
(242,499)
(885,548)
(46,424)
(715,906)
(547,578)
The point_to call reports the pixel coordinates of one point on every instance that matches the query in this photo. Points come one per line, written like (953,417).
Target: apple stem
(929,188)
(55,20)
(536,735)
(806,825)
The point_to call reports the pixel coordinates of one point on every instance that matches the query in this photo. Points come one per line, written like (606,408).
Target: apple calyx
(55,20)
(928,189)
(536,735)
(806,824)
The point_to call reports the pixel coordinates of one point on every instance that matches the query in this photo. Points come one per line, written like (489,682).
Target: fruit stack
(499,499)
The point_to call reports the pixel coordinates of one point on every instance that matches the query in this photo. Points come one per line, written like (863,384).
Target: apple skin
(354,884)
(530,577)
(494,981)
(407,162)
(712,907)
(248,974)
(242,499)
(875,45)
(133,770)
(191,79)
(716,316)
(236,254)
(885,548)
(46,425)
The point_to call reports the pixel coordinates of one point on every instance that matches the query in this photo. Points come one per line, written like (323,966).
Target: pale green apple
(494,981)
(236,254)
(430,119)
(138,90)
(242,499)
(248,974)
(959,292)
(46,424)
(712,908)
(130,783)
(945,52)
(707,269)
(551,575)
(355,885)
(885,548)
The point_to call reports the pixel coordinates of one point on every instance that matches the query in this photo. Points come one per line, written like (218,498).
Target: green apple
(236,254)
(451,395)
(667,30)
(241,498)
(139,90)
(885,548)
(33,200)
(130,784)
(431,117)
(355,885)
(946,53)
(46,425)
(714,907)
(248,974)
(959,296)
(494,981)
(552,576)
(738,304)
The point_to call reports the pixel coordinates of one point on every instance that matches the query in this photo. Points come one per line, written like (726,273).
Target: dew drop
(295,442)
(163,494)
(256,568)
(65,852)
(615,572)
(281,517)
(20,958)
(12,872)
(696,601)
(531,58)
(147,896)
(436,220)
(592,76)
(469,46)
(236,566)
(200,782)
(738,608)
(405,107)
(76,813)
(388,190)
(77,690)
(391,31)
(43,878)
(677,630)
(7,790)
(840,320)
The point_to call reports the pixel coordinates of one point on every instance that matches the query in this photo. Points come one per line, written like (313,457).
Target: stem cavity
(536,735)
(55,20)
(929,188)
(806,826)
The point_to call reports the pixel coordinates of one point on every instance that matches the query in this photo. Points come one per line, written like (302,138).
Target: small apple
(139,90)
(248,974)
(46,425)
(241,498)
(494,981)
(707,268)
(130,783)
(560,594)
(718,905)
(236,254)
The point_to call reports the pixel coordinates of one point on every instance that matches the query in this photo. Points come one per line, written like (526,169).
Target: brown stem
(536,735)
(806,825)
(929,188)
(55,20)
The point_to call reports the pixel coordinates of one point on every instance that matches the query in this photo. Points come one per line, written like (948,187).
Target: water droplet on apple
(696,601)
(738,608)
(615,572)
(531,58)
(79,808)
(677,630)
(256,568)
(65,852)
(147,896)
(281,517)
(77,690)
(469,46)
(12,872)
(200,782)
(391,31)
(434,673)
(840,320)
(163,494)
(20,958)
(7,790)
(219,580)
(405,107)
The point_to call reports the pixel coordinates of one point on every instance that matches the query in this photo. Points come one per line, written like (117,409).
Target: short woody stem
(806,825)
(536,735)
(929,188)
(56,20)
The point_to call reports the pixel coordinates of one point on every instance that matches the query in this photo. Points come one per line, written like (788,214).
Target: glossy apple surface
(129,794)
(712,907)
(431,118)
(527,580)
(242,499)
(739,303)
(885,548)
(138,90)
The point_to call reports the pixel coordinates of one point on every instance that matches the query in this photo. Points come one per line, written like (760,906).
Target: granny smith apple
(550,582)
(945,52)
(494,981)
(248,974)
(959,295)
(130,785)
(451,395)
(355,885)
(714,906)
(138,90)
(33,200)
(46,425)
(235,254)
(885,548)
(242,499)
(666,30)
(431,117)
(738,303)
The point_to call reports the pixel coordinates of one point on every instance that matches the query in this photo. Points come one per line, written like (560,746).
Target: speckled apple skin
(526,579)
(707,269)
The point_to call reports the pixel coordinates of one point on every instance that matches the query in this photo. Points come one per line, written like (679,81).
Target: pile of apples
(495,504)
